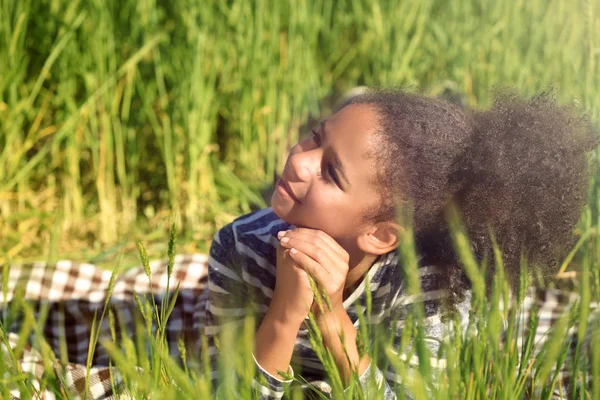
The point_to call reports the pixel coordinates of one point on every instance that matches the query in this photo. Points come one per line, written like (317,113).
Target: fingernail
(293,250)
(284,239)
(281,233)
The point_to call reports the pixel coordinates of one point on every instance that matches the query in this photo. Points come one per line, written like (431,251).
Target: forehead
(355,119)
(351,132)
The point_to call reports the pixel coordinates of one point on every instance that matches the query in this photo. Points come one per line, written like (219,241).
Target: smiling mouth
(282,186)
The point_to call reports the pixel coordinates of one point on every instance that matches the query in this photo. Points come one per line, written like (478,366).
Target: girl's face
(328,181)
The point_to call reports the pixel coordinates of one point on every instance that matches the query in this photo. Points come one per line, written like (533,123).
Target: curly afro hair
(519,170)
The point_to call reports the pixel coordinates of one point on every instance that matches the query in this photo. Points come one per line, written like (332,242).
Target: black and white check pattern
(74,292)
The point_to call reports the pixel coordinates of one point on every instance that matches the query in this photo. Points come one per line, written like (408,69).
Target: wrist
(274,343)
(336,315)
(339,336)
(283,315)
(336,323)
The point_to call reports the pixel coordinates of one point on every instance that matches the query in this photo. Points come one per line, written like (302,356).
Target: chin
(287,218)
(283,211)
(286,215)
(278,212)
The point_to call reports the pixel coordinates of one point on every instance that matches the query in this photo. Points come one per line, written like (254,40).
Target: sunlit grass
(114,116)
(482,359)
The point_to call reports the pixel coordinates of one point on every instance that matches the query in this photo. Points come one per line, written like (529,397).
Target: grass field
(117,116)
(496,355)
(120,117)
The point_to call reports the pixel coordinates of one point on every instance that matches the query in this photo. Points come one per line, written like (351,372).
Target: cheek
(331,212)
(325,196)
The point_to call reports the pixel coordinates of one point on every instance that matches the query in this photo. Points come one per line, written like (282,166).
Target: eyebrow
(337,164)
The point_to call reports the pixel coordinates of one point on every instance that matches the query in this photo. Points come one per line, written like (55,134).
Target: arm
(325,260)
(337,325)
(339,336)
(227,306)
(227,303)
(275,339)
(292,298)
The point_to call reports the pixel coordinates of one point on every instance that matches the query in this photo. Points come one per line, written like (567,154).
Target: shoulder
(256,231)
(394,271)
(391,279)
(246,251)
(386,277)
(258,222)
(249,224)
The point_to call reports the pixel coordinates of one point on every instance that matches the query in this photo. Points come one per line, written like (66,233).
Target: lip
(283,188)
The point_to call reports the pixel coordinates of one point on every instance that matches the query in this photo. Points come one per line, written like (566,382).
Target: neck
(359,266)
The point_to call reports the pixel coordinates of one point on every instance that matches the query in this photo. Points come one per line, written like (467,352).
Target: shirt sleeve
(267,386)
(370,375)
(227,305)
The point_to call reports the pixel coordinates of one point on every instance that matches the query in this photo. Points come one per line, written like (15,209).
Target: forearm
(339,337)
(274,341)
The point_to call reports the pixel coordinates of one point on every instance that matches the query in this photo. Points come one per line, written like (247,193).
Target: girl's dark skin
(328,183)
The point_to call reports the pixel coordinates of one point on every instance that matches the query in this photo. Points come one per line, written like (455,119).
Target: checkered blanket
(73,293)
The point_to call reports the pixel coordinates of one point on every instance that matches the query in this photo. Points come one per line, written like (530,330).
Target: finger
(319,254)
(318,238)
(309,265)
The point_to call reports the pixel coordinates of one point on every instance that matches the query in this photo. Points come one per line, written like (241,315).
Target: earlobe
(381,239)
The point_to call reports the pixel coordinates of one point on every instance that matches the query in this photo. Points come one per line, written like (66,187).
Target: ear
(381,238)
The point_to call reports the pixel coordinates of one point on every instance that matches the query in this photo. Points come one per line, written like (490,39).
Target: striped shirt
(242,265)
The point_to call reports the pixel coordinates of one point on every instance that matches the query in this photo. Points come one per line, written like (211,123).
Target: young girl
(517,170)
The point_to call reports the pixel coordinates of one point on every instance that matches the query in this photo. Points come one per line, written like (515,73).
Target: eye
(316,137)
(331,172)
(327,173)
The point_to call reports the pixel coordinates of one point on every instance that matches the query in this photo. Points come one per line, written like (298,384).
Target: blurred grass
(496,354)
(117,115)
(119,118)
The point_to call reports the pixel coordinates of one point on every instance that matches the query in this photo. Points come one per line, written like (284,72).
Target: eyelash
(330,170)
(316,138)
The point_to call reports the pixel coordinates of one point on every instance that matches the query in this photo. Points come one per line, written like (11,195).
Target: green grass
(120,117)
(478,363)
(117,115)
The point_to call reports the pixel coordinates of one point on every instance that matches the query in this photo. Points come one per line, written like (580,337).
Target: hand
(323,258)
(293,296)
(326,261)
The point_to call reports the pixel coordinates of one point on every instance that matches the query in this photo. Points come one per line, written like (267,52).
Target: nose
(304,161)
